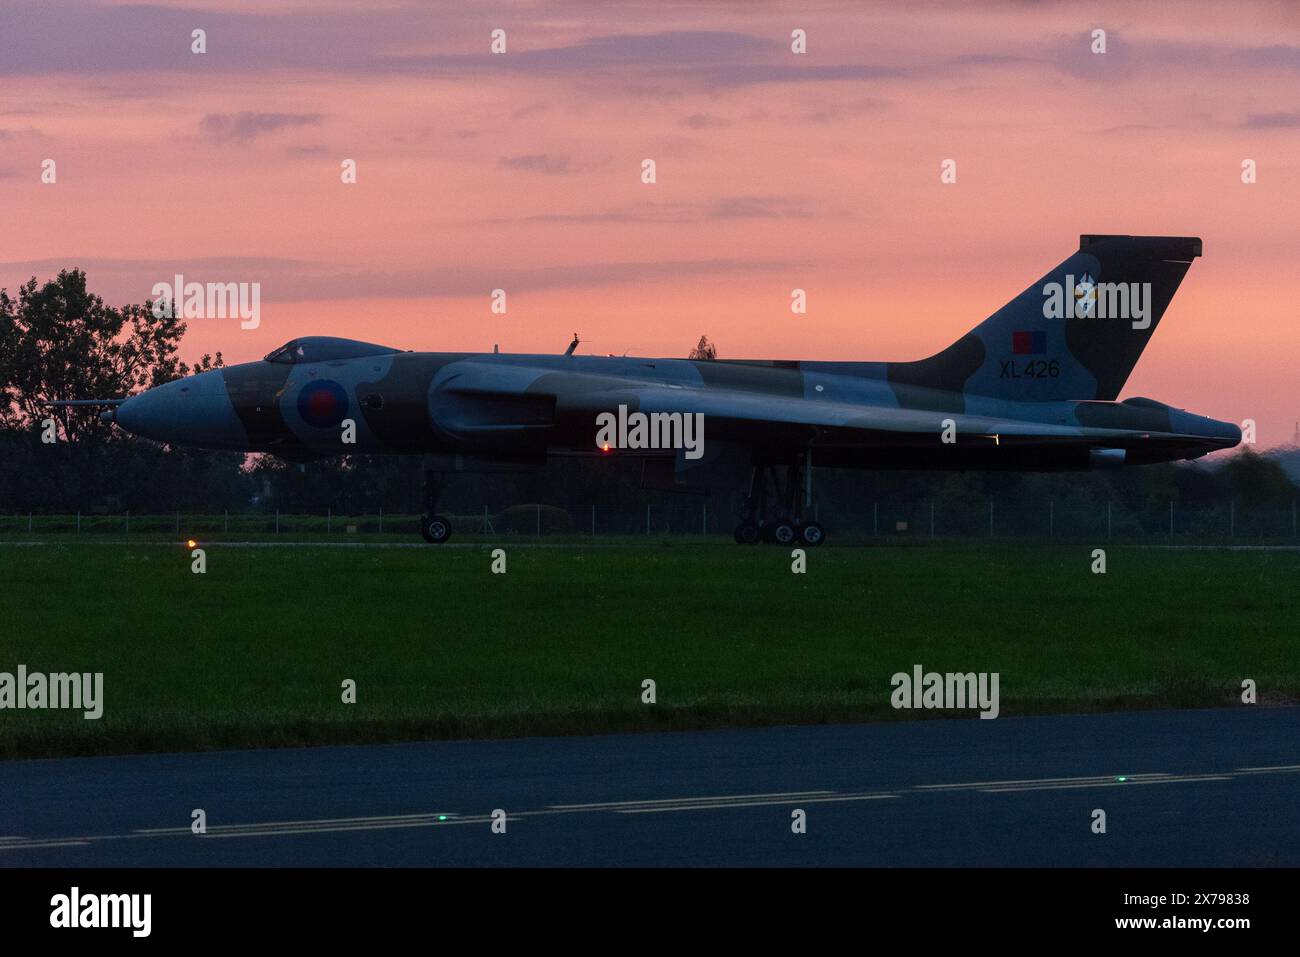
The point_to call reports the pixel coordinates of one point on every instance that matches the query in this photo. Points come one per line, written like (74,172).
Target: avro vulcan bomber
(1032,387)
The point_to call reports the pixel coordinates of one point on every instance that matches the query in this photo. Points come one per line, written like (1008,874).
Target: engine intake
(1106,458)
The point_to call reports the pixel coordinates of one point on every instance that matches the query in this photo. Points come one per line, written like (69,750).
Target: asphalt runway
(1179,788)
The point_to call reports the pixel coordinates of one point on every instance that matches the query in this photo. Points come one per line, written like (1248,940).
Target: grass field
(253,653)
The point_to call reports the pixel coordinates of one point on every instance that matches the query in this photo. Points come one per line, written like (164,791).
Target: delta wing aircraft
(1032,387)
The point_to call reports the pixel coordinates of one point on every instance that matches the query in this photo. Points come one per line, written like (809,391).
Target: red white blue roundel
(322,404)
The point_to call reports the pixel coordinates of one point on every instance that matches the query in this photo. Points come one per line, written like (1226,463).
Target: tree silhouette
(58,341)
(704,349)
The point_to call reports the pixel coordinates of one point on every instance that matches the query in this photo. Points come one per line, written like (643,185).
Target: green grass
(391,527)
(253,653)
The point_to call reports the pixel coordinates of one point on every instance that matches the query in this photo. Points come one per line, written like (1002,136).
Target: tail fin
(1077,333)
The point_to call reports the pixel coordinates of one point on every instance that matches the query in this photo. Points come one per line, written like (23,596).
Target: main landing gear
(775,506)
(435,528)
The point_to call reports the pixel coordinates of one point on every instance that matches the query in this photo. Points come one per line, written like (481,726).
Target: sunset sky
(775,171)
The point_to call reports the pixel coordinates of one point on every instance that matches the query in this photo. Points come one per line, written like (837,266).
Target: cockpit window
(284,354)
(324,349)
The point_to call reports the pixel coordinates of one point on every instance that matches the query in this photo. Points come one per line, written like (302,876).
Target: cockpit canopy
(324,349)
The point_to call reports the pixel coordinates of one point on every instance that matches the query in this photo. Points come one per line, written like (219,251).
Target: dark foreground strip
(661,909)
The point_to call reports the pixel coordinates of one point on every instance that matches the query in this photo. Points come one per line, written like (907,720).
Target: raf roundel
(322,404)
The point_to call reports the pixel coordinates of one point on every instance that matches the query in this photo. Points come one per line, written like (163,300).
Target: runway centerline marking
(724,797)
(1028,781)
(340,828)
(875,796)
(1277,768)
(324,820)
(1112,783)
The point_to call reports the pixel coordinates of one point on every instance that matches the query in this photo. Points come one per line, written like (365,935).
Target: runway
(1186,788)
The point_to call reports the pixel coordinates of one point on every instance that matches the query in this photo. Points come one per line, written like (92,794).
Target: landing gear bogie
(775,506)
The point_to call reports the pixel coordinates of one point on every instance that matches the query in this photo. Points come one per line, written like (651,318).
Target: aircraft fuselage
(533,405)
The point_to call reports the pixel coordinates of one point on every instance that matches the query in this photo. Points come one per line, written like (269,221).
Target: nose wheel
(434,528)
(774,508)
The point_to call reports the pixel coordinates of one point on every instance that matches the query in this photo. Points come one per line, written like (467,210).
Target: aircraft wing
(827,422)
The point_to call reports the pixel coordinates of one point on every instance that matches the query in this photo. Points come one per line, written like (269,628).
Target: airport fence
(696,518)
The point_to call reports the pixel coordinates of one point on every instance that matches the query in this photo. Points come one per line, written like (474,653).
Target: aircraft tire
(783,533)
(747,533)
(435,530)
(812,534)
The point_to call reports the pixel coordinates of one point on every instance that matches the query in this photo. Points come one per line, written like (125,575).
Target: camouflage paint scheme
(1055,409)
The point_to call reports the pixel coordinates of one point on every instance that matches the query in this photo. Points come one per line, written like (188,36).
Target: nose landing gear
(434,528)
(774,509)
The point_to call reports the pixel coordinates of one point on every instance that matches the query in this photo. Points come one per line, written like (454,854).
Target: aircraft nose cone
(195,411)
(150,414)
